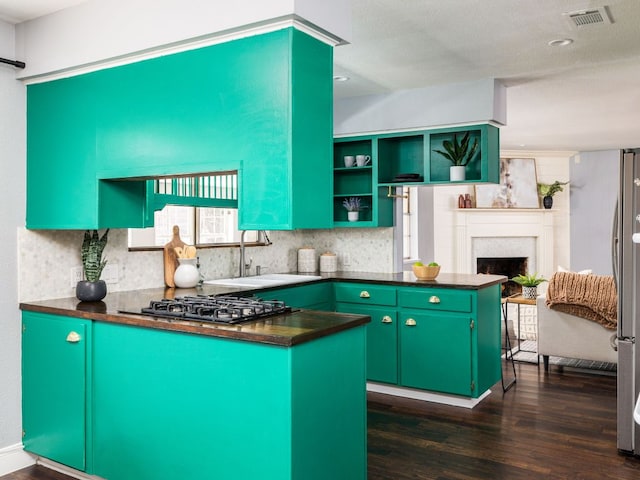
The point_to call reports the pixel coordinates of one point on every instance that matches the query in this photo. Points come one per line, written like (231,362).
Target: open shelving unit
(394,155)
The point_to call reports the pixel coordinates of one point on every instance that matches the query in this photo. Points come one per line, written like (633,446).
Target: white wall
(440,105)
(595,179)
(97,30)
(550,166)
(12,197)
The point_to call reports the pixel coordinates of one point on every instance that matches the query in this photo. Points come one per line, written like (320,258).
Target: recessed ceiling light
(340,78)
(560,42)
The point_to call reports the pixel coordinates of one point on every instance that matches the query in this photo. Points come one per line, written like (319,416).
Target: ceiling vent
(593,16)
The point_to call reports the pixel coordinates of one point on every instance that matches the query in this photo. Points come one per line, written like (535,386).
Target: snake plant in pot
(92,289)
(460,154)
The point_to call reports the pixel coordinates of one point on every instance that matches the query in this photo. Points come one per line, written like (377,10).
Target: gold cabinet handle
(434,299)
(364,294)
(387,319)
(410,322)
(73,337)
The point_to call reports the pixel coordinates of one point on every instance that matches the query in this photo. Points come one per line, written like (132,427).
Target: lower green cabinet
(56,393)
(443,340)
(382,340)
(436,352)
(314,296)
(125,402)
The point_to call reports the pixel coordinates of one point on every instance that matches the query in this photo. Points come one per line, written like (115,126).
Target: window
(201,226)
(212,225)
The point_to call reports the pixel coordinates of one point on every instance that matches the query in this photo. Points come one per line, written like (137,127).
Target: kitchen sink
(269,280)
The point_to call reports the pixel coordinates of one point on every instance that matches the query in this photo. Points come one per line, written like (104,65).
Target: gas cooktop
(226,309)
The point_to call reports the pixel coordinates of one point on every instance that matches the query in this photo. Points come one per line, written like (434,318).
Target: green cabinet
(314,296)
(394,155)
(125,402)
(93,138)
(436,352)
(56,388)
(443,340)
(171,405)
(450,339)
(379,302)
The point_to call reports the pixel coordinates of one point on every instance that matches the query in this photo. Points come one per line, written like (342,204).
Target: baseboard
(426,396)
(58,467)
(14,458)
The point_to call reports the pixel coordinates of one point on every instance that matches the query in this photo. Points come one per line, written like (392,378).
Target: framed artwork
(518,187)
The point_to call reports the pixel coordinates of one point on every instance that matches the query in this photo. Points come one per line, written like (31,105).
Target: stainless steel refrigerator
(626,269)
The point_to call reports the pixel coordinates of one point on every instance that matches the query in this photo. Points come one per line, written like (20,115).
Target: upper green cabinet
(261,105)
(406,158)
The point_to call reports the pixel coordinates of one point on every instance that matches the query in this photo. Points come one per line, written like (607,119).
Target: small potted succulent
(529,283)
(353,206)
(459,154)
(92,289)
(548,190)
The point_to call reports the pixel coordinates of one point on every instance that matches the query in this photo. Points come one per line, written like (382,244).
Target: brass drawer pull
(434,299)
(364,294)
(73,337)
(410,322)
(387,319)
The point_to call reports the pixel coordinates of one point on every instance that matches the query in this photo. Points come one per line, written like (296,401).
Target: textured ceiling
(585,96)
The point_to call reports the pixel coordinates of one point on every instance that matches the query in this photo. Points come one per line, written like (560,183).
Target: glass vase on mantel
(547,202)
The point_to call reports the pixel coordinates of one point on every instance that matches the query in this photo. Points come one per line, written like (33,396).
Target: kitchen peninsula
(146,398)
(126,396)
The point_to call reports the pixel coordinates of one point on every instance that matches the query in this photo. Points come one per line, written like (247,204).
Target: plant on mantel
(548,190)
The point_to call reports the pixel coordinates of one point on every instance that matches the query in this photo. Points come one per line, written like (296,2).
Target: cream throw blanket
(593,297)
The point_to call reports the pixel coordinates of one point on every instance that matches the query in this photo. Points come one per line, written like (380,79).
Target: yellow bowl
(425,272)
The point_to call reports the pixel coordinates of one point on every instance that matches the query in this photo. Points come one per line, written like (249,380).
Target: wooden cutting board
(170,257)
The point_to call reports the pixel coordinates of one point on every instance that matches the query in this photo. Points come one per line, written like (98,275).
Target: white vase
(529,292)
(457,174)
(353,216)
(187,274)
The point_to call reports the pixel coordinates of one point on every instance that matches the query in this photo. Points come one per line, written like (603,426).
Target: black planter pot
(547,202)
(87,291)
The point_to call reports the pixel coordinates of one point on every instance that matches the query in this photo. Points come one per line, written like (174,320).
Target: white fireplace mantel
(475,223)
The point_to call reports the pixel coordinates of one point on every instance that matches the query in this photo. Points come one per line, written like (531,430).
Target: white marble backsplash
(47,257)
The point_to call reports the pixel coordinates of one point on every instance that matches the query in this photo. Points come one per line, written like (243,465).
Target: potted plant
(459,154)
(92,289)
(529,284)
(353,206)
(548,190)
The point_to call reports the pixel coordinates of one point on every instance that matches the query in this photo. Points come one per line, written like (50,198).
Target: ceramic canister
(307,259)
(328,262)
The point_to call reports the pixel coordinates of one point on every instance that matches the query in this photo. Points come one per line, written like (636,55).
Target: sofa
(577,318)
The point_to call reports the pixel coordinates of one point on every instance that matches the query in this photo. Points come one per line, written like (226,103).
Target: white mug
(362,160)
(349,160)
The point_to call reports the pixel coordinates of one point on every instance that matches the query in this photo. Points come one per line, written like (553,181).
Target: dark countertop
(284,330)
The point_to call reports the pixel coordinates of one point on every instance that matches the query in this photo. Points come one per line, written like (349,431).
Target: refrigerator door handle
(613,341)
(614,246)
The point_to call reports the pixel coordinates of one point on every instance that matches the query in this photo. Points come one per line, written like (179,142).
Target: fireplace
(508,266)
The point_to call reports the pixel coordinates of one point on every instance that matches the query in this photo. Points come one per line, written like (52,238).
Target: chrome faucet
(244,266)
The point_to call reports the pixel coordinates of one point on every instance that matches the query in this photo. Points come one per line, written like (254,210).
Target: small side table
(508,352)
(519,300)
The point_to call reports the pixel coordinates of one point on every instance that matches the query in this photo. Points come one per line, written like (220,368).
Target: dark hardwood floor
(560,425)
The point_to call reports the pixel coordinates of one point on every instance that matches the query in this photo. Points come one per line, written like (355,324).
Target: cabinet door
(435,351)
(54,385)
(382,341)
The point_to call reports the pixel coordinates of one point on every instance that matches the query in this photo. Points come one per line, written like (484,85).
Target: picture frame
(518,187)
